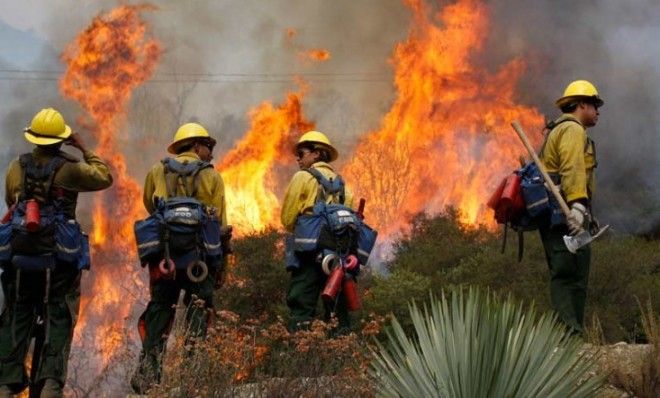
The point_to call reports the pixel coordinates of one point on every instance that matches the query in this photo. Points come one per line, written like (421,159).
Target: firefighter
(313,150)
(569,156)
(191,144)
(36,305)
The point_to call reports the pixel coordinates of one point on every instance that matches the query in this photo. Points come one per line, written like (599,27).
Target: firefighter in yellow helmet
(569,156)
(41,278)
(186,180)
(313,151)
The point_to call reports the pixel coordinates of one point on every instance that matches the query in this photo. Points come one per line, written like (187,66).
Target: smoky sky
(223,58)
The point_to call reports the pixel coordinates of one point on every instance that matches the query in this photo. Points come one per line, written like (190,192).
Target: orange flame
(105,63)
(304,56)
(248,170)
(315,54)
(446,140)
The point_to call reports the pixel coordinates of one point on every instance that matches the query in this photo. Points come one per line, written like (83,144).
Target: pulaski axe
(573,243)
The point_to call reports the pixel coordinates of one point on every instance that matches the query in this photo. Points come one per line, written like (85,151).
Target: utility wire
(172,77)
(352,77)
(59,72)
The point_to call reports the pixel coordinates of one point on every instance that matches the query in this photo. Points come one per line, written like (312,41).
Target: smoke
(612,44)
(224,58)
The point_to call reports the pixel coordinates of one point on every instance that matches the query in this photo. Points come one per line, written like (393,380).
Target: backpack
(522,202)
(36,245)
(331,227)
(181,225)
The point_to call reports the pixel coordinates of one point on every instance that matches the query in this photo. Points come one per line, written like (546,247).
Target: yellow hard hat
(187,132)
(318,138)
(580,90)
(47,128)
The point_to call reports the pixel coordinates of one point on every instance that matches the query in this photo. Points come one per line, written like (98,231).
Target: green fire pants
(307,283)
(51,324)
(156,321)
(569,275)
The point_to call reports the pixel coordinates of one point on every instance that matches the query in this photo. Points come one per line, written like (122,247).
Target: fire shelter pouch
(84,259)
(290,257)
(211,236)
(366,241)
(68,241)
(307,231)
(148,236)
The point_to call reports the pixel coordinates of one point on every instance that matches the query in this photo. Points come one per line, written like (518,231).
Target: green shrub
(387,293)
(439,252)
(256,280)
(475,345)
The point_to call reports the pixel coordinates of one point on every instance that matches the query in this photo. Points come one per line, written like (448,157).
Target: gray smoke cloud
(223,58)
(612,44)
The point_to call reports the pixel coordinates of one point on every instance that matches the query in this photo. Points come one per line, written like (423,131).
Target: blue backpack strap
(328,187)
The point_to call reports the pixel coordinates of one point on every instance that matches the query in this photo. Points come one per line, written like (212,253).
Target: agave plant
(476,345)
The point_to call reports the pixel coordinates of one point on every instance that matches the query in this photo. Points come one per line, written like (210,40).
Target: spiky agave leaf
(476,345)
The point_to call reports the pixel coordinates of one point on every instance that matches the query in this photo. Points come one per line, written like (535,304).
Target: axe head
(573,243)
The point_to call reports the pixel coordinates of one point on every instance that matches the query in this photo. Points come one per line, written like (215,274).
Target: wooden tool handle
(553,188)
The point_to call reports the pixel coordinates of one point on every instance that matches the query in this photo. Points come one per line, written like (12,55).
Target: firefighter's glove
(576,218)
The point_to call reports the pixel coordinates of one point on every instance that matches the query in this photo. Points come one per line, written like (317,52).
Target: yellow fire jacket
(302,192)
(92,174)
(569,152)
(211,189)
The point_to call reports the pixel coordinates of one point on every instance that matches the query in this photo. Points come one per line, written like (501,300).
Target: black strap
(556,178)
(37,179)
(550,126)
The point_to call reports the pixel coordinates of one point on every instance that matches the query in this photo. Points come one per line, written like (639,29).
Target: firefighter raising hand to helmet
(313,152)
(182,242)
(43,253)
(569,156)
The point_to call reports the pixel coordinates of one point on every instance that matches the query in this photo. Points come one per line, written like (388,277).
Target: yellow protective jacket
(211,189)
(302,192)
(570,153)
(91,174)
